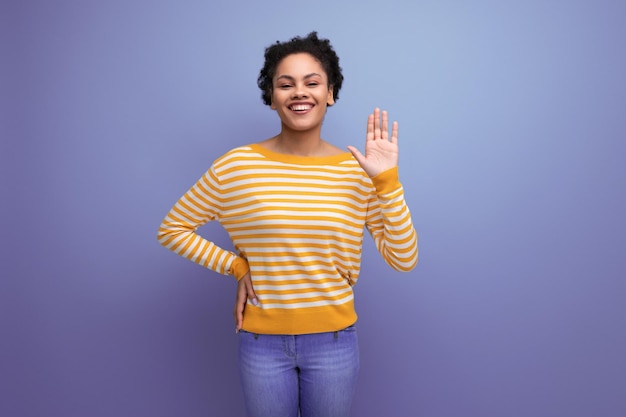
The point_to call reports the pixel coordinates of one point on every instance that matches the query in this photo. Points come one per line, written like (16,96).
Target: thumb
(357,154)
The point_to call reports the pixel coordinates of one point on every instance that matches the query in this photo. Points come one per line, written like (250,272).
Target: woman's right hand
(245,292)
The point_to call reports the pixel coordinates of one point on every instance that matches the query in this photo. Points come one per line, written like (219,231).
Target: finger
(239,307)
(376,123)
(385,128)
(240,304)
(251,294)
(370,128)
(394,132)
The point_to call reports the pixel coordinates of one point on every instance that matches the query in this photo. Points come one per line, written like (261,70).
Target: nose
(299,91)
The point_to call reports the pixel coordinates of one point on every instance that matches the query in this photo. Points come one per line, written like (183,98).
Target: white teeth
(301,107)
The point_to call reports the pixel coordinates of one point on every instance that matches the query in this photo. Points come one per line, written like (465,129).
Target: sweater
(297,225)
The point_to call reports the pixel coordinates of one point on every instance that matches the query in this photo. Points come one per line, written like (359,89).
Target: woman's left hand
(381,152)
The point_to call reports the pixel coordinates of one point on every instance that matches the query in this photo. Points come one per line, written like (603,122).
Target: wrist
(386,181)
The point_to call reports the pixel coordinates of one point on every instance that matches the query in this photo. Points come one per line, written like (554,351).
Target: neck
(307,143)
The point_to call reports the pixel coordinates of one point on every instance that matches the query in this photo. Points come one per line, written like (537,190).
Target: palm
(381,152)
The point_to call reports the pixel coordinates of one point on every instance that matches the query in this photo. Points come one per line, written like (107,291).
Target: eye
(284,86)
(313,84)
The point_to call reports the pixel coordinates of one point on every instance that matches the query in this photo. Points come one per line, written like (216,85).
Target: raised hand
(381,152)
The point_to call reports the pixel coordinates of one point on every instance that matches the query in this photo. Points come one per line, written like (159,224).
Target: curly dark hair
(320,49)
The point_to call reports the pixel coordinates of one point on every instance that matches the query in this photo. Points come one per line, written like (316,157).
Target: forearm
(181,238)
(178,232)
(391,225)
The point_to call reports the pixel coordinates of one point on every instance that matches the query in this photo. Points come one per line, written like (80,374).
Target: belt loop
(336,335)
(256,336)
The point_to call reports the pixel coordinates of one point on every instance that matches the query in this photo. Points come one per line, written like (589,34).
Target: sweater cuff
(387,181)
(239,268)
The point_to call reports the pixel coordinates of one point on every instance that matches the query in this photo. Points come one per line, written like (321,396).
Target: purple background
(512,135)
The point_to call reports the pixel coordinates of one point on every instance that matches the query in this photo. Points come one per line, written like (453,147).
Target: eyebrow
(289,77)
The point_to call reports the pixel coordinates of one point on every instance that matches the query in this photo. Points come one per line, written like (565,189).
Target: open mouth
(300,108)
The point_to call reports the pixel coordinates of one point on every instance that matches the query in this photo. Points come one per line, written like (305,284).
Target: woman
(296,207)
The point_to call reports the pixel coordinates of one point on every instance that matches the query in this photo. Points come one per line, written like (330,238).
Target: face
(300,93)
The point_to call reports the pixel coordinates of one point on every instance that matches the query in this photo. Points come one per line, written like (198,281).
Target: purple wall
(512,134)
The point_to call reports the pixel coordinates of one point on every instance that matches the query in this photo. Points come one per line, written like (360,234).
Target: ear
(331,97)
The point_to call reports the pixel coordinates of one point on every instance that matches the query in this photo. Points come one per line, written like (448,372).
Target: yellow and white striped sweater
(297,224)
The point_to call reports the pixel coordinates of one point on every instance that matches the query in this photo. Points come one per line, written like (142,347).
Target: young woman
(296,208)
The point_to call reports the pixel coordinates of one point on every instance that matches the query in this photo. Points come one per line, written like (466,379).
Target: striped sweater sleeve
(389,222)
(201,204)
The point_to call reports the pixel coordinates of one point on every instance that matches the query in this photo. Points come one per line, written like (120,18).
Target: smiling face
(300,92)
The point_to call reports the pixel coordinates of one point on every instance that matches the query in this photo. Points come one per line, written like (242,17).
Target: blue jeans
(310,374)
